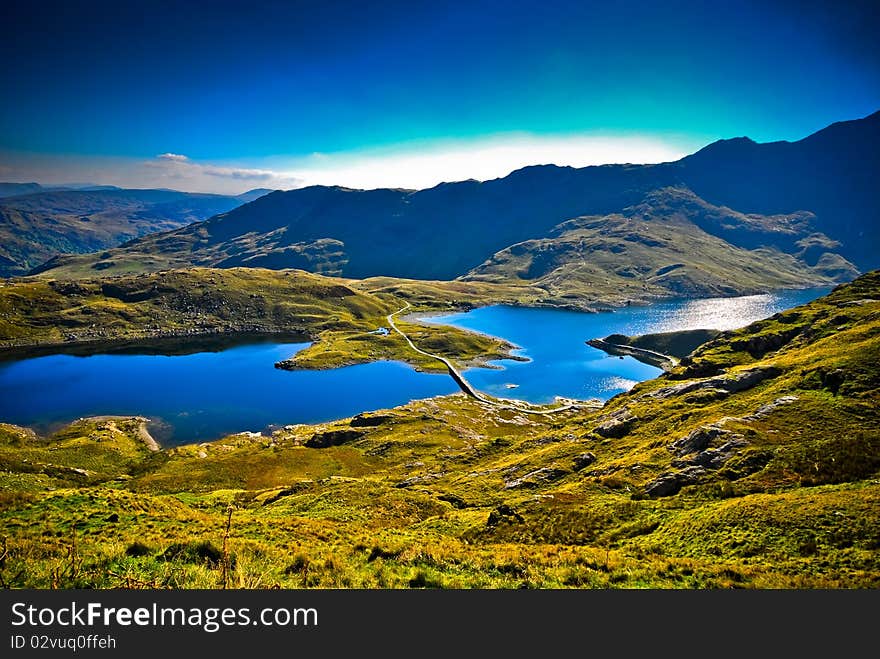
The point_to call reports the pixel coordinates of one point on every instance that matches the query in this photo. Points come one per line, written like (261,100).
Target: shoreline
(143,433)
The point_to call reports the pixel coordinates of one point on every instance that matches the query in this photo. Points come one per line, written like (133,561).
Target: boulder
(698,440)
(617,424)
(671,482)
(583,460)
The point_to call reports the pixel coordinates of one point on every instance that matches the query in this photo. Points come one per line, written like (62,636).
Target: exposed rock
(696,369)
(296,488)
(856,303)
(732,383)
(764,410)
(503,513)
(62,471)
(333,438)
(671,482)
(536,478)
(617,424)
(415,480)
(705,396)
(370,420)
(760,345)
(583,460)
(748,464)
(713,458)
(698,440)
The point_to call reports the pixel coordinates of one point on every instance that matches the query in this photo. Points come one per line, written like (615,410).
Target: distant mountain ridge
(44,222)
(451,229)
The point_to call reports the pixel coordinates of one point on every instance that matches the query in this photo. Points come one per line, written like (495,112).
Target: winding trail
(467,388)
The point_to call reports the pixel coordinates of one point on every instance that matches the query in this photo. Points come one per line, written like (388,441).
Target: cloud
(177,166)
(175,157)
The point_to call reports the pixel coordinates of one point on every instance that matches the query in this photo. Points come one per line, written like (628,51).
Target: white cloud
(177,166)
(172,156)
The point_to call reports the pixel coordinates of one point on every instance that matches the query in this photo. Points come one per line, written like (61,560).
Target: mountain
(833,173)
(13,189)
(449,230)
(251,195)
(671,242)
(34,227)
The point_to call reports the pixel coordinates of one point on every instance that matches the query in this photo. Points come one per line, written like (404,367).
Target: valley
(254,391)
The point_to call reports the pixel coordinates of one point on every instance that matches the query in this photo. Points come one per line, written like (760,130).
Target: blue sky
(227,96)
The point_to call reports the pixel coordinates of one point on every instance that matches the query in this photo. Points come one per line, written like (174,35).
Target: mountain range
(37,223)
(775,213)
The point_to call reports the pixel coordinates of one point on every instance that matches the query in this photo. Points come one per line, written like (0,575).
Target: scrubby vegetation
(753,464)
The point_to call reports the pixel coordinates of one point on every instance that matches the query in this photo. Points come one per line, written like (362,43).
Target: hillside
(832,173)
(35,226)
(671,243)
(13,189)
(754,464)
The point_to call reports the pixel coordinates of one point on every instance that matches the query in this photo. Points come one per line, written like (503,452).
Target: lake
(202,393)
(561,364)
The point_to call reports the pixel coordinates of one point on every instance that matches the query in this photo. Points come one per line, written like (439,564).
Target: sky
(228,96)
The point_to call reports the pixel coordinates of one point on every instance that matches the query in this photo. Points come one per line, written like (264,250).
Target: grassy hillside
(37,226)
(755,463)
(338,315)
(665,246)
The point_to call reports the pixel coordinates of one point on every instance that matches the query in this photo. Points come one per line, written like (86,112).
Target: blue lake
(209,393)
(205,395)
(561,364)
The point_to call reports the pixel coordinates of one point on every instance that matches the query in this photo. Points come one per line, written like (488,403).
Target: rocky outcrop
(728,383)
(65,472)
(583,460)
(699,439)
(416,480)
(759,345)
(671,482)
(536,478)
(713,458)
(617,424)
(764,410)
(370,420)
(333,438)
